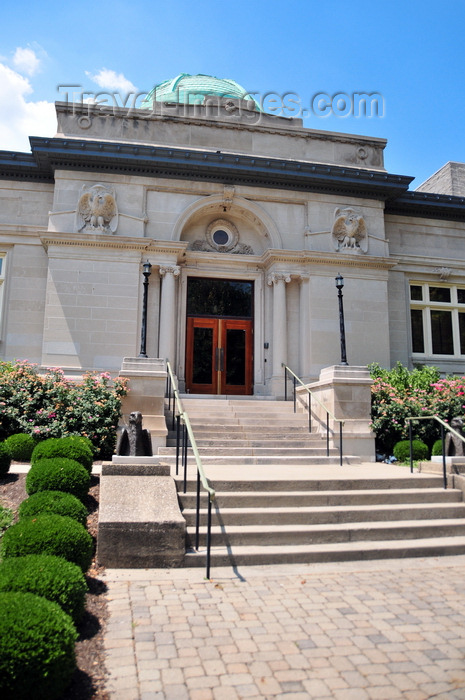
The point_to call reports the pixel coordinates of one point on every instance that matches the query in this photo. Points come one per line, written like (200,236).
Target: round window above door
(222,235)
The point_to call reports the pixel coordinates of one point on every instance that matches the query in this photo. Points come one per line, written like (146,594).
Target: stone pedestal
(140,523)
(346,392)
(147,385)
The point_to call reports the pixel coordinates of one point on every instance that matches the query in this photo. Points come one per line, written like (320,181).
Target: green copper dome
(192,89)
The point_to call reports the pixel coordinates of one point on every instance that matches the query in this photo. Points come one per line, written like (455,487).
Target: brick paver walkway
(384,630)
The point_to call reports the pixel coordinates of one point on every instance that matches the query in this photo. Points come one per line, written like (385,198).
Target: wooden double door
(219,355)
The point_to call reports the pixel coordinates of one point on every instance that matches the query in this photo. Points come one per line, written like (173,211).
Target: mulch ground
(90,676)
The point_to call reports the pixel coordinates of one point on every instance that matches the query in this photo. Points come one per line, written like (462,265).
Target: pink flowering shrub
(399,393)
(49,405)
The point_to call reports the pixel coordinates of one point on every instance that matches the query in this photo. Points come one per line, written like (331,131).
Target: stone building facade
(246,219)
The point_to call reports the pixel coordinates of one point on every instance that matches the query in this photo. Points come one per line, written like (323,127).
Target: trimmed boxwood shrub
(437,448)
(58,502)
(20,446)
(37,648)
(51,577)
(58,474)
(6,518)
(402,450)
(49,534)
(71,447)
(5,459)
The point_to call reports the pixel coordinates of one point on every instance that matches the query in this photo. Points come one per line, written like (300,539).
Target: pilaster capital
(276,277)
(174,270)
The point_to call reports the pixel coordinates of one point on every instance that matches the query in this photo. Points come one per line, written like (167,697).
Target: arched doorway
(219,337)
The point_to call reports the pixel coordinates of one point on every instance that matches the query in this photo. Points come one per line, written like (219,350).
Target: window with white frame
(437,316)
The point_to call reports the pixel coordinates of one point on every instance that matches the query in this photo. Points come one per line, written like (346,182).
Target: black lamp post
(147,267)
(342,333)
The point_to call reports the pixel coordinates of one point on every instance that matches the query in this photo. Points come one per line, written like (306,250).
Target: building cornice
(428,205)
(51,154)
(144,245)
(99,157)
(274,257)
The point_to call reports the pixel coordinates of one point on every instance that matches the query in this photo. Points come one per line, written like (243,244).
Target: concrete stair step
(264,460)
(254,424)
(318,485)
(283,499)
(341,515)
(234,452)
(268,535)
(227,443)
(285,432)
(214,420)
(232,555)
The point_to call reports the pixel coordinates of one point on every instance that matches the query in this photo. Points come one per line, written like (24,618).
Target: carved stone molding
(169,270)
(97,210)
(222,236)
(443,272)
(276,277)
(228,195)
(349,231)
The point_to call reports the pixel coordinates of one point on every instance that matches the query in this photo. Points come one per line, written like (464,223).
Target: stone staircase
(281,499)
(240,432)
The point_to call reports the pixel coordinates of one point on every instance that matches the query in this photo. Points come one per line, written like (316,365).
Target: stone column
(168,312)
(279,280)
(304,340)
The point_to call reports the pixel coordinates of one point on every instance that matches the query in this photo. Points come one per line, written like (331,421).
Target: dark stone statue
(135,440)
(454,445)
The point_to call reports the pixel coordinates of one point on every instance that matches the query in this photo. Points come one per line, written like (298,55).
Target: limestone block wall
(365,301)
(24,301)
(238,130)
(399,318)
(24,206)
(430,242)
(130,196)
(92,307)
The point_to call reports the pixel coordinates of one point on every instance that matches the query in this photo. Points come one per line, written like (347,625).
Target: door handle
(219,359)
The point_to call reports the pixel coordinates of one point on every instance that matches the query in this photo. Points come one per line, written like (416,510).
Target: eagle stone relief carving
(349,231)
(97,210)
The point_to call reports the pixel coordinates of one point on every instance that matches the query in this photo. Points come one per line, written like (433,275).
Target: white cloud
(20,118)
(110,80)
(26,61)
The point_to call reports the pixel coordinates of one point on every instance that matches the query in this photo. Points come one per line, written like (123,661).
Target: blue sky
(411,53)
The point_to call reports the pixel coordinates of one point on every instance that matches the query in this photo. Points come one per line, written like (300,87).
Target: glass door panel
(202,342)
(235,356)
(202,355)
(219,356)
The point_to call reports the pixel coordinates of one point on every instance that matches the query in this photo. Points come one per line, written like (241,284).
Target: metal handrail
(443,425)
(182,420)
(308,407)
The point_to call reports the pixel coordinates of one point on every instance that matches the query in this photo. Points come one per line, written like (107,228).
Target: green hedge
(72,447)
(58,474)
(6,518)
(51,577)
(5,459)
(37,648)
(49,534)
(402,450)
(437,448)
(58,502)
(20,446)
